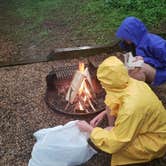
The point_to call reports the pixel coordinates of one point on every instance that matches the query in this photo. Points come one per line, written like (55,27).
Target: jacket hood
(132,29)
(113,74)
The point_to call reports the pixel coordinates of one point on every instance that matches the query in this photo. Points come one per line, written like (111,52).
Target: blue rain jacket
(150,46)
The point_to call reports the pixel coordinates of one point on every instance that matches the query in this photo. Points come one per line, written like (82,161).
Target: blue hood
(132,29)
(150,46)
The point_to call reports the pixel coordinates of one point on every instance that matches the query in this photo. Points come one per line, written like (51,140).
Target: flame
(85,98)
(83,92)
(81,67)
(87,90)
(81,87)
(80,106)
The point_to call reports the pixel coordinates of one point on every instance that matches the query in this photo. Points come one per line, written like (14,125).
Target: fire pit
(74,89)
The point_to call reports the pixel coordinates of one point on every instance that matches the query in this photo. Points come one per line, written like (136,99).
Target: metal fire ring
(63,74)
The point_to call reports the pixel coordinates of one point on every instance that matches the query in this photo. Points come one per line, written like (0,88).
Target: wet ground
(23,111)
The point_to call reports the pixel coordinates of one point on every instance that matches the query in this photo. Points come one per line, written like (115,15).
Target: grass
(96,19)
(106,15)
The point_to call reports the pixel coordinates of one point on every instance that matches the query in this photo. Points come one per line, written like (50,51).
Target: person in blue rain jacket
(149,47)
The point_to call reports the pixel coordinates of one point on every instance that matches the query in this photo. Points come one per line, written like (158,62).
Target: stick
(90,103)
(66,107)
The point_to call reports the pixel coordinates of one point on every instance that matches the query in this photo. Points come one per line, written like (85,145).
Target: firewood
(74,87)
(88,77)
(66,107)
(81,78)
(90,103)
(76,84)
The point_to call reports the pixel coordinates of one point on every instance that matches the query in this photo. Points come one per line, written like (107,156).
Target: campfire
(74,89)
(81,91)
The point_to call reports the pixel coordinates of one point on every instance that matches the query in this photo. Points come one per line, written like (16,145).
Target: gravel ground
(23,111)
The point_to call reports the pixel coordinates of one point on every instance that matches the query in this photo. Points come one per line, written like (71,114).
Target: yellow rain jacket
(139,134)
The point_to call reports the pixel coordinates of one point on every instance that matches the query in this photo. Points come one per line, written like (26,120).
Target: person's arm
(111,118)
(96,120)
(153,62)
(157,58)
(126,128)
(159,52)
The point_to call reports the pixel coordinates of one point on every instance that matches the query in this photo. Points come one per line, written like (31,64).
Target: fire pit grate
(65,72)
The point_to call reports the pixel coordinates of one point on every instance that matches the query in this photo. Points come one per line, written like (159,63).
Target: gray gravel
(23,111)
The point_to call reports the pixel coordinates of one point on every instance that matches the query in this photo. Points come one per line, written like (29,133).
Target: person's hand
(137,58)
(108,128)
(138,74)
(95,121)
(84,126)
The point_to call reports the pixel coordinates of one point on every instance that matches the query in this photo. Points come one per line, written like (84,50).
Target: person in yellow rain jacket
(139,132)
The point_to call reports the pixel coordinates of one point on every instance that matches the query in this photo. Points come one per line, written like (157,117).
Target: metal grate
(65,72)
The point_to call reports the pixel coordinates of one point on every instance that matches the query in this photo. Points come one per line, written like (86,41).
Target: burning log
(90,103)
(75,86)
(79,89)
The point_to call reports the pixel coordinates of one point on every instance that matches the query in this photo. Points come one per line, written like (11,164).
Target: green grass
(96,19)
(34,13)
(104,16)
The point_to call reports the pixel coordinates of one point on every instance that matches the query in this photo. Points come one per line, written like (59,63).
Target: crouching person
(146,46)
(139,133)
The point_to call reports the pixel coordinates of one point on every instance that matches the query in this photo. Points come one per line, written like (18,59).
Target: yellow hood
(112,74)
(114,78)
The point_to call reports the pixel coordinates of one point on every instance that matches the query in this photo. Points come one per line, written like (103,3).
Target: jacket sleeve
(160,54)
(154,62)
(126,128)
(154,59)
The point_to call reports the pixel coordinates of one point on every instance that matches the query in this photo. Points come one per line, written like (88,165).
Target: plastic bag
(61,146)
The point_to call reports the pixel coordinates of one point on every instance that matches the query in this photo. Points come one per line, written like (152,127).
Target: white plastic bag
(61,146)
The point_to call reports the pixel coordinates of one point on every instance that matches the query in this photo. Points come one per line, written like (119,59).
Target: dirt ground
(23,111)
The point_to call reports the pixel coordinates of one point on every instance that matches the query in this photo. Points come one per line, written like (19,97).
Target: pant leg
(160,77)
(156,162)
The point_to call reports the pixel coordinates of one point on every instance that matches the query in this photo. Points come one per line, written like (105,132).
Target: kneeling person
(139,132)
